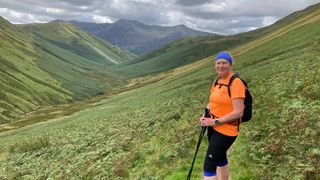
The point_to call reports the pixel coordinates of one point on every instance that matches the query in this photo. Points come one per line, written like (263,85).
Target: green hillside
(71,38)
(151,132)
(175,54)
(40,65)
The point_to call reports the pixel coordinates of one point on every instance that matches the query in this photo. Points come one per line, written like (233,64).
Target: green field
(150,132)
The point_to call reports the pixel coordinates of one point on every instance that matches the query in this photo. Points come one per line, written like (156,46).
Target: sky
(217,16)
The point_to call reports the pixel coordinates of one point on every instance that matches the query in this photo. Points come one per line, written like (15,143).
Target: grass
(286,91)
(106,144)
(60,111)
(151,131)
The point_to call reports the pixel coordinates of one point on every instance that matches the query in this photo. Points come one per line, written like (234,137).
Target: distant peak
(57,21)
(126,21)
(181,25)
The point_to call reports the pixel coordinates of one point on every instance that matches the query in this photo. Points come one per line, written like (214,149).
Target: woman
(225,111)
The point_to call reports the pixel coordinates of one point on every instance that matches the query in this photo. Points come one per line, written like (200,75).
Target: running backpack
(247,112)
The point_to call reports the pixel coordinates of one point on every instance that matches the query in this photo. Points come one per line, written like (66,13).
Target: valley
(146,124)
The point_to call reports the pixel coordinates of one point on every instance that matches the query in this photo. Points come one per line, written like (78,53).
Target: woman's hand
(206,121)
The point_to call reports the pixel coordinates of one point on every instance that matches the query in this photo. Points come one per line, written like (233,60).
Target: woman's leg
(217,157)
(223,172)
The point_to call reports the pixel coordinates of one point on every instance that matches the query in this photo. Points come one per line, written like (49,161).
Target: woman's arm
(238,107)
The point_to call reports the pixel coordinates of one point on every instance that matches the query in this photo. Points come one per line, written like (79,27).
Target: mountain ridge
(135,36)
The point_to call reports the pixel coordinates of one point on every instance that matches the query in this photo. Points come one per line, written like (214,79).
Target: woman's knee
(211,163)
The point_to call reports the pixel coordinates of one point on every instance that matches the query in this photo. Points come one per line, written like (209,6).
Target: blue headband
(225,55)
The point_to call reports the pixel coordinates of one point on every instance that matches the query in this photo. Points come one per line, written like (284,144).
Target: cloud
(192,2)
(101,19)
(223,16)
(78,2)
(54,10)
(15,17)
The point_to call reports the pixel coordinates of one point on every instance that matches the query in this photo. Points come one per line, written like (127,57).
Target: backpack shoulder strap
(216,82)
(230,82)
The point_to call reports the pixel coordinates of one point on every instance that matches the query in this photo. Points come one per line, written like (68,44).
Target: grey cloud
(78,2)
(192,2)
(245,8)
(145,12)
(234,25)
(223,16)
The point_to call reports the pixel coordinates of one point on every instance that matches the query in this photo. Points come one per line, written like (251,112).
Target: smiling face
(223,67)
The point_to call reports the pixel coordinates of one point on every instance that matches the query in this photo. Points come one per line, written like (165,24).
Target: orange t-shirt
(221,104)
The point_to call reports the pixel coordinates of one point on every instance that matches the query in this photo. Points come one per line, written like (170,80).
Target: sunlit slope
(152,131)
(79,60)
(71,38)
(24,86)
(42,65)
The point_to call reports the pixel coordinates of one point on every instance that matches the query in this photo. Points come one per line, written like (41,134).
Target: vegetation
(40,66)
(281,139)
(150,132)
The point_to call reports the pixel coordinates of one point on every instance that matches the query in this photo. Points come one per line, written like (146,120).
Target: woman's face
(223,67)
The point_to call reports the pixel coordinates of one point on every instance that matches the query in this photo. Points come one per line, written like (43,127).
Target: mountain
(182,52)
(40,65)
(137,37)
(191,49)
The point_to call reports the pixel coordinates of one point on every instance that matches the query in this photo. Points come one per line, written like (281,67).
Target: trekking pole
(203,130)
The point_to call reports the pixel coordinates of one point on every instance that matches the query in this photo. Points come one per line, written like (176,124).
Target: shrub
(30,144)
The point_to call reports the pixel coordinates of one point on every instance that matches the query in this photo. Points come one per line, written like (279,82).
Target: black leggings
(217,150)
